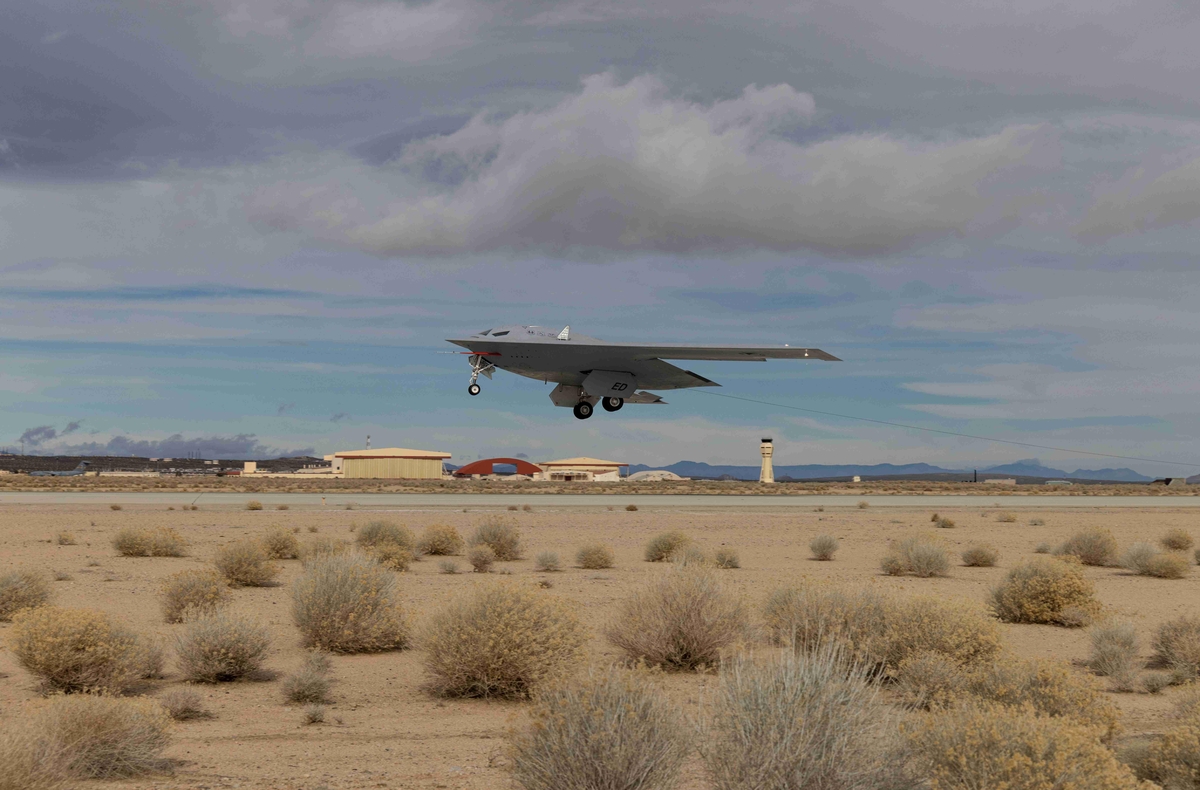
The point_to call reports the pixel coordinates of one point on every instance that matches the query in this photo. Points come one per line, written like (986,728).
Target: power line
(946,433)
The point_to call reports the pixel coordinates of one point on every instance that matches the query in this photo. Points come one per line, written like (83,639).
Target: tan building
(583,468)
(391,462)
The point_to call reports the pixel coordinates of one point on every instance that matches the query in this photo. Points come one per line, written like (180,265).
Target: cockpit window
(484,332)
(500,334)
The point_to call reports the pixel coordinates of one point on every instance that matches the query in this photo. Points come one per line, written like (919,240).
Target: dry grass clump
(994,746)
(65,539)
(594,556)
(281,544)
(349,604)
(1173,759)
(610,729)
(482,558)
(221,647)
(502,537)
(316,548)
(114,507)
(102,737)
(1177,644)
(980,556)
(1045,591)
(1177,540)
(1145,560)
(681,621)
(22,590)
(281,507)
(798,722)
(664,547)
(958,629)
(1093,546)
(29,761)
(547,562)
(311,683)
(919,555)
(1051,688)
(254,504)
(315,714)
(157,542)
(823,547)
(928,680)
(1138,556)
(944,522)
(377,533)
(1115,654)
(447,566)
(245,563)
(631,508)
(440,540)
(1006,518)
(1043,548)
(501,640)
(193,593)
(183,704)
(392,556)
(726,559)
(863,504)
(77,650)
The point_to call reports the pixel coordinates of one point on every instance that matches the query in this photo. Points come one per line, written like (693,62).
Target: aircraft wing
(719,353)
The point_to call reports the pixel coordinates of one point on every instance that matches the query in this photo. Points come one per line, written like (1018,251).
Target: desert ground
(385,731)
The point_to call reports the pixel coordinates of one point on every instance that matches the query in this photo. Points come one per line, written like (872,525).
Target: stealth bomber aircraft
(590,371)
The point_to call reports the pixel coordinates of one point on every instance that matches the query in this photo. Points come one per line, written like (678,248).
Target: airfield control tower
(767,475)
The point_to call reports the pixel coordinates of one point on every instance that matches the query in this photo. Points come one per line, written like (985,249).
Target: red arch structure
(485,466)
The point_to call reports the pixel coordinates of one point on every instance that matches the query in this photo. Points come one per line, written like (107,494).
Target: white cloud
(628,167)
(1146,198)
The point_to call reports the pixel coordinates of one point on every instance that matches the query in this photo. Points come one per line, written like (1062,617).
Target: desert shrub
(930,680)
(863,504)
(944,523)
(158,542)
(315,548)
(993,746)
(482,558)
(65,539)
(1196,557)
(221,647)
(375,533)
(664,547)
(29,760)
(1051,688)
(349,604)
(1115,653)
(631,508)
(1044,591)
(692,555)
(193,593)
(77,649)
(103,737)
(391,556)
(1155,682)
(726,559)
(114,507)
(310,683)
(800,722)
(315,713)
(980,556)
(502,537)
(281,544)
(1006,518)
(1173,759)
(245,563)
(1137,557)
(501,640)
(681,621)
(1037,522)
(60,576)
(547,561)
(609,729)
(513,508)
(22,590)
(281,507)
(440,540)
(823,547)
(183,704)
(960,630)
(919,555)
(1177,540)
(1043,548)
(1093,546)
(448,566)
(594,556)
(1177,644)
(1169,565)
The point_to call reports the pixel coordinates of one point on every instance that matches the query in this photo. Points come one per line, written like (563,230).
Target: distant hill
(1033,468)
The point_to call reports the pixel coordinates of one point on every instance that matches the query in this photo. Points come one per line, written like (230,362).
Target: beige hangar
(391,462)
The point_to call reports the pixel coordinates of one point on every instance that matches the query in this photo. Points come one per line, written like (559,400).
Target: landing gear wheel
(473,389)
(583,410)
(612,404)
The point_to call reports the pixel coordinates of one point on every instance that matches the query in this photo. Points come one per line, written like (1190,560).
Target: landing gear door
(609,384)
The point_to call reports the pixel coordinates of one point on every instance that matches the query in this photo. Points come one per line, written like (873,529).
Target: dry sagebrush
(440,540)
(1045,591)
(665,547)
(1093,546)
(310,683)
(801,721)
(482,558)
(726,559)
(158,542)
(547,562)
(100,737)
(609,730)
(929,680)
(221,647)
(594,556)
(1177,644)
(246,564)
(501,640)
(349,604)
(980,556)
(681,621)
(501,537)
(377,533)
(183,704)
(193,593)
(1049,687)
(281,544)
(920,555)
(322,547)
(1114,653)
(23,589)
(78,650)
(1177,540)
(823,547)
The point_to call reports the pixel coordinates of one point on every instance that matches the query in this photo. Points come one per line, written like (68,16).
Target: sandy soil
(384,732)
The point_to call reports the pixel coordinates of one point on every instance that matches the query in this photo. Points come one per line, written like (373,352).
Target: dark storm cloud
(72,427)
(35,436)
(239,446)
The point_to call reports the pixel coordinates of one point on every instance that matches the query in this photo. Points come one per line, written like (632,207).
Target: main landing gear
(612,404)
(583,410)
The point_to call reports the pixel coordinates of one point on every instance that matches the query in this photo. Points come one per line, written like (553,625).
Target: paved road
(548,501)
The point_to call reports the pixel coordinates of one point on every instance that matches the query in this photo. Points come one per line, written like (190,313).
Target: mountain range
(1026,468)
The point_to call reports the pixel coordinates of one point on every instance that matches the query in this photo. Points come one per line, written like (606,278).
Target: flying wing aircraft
(590,371)
(83,465)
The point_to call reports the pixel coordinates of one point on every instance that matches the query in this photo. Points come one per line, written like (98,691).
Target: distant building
(391,463)
(1000,481)
(1172,482)
(581,469)
(655,476)
(1059,483)
(767,473)
(487,467)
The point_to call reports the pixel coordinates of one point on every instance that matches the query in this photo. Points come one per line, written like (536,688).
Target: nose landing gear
(473,388)
(612,404)
(479,364)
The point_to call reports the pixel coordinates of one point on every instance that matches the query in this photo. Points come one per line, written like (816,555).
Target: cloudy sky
(244,227)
